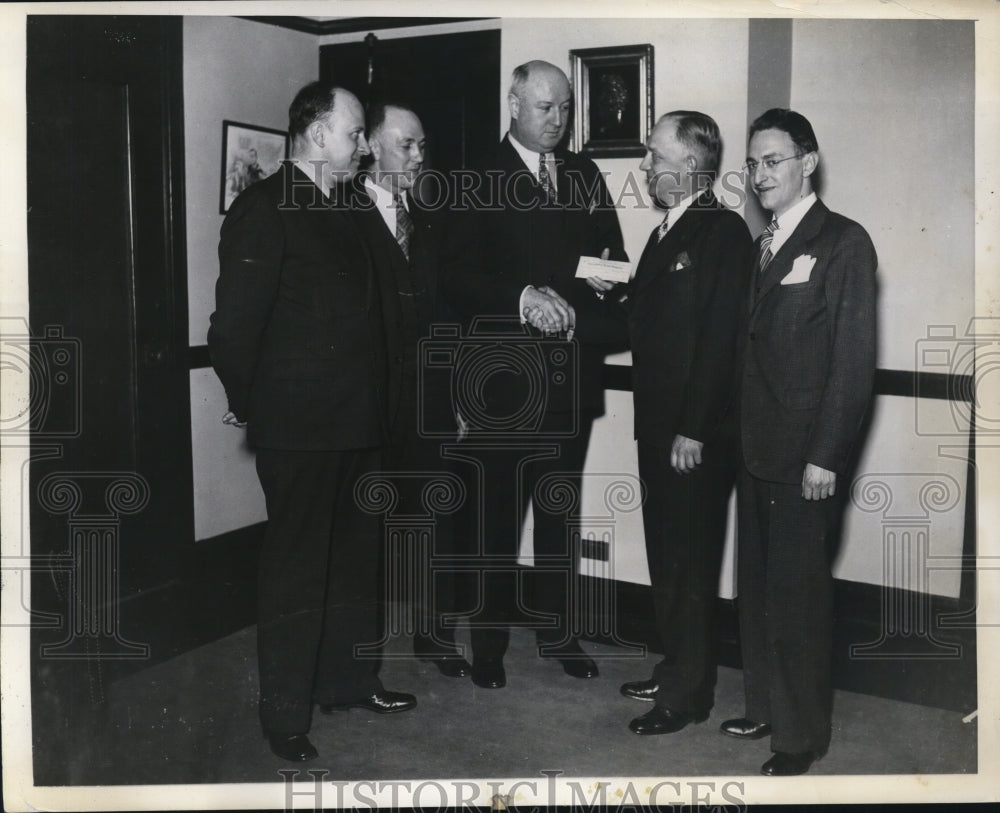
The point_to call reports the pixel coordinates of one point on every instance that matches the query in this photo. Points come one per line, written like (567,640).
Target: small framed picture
(249,154)
(613,100)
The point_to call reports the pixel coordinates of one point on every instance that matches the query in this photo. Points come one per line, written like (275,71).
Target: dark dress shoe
(661,720)
(293,747)
(448,661)
(641,689)
(574,661)
(745,729)
(783,764)
(456,667)
(383,702)
(489,673)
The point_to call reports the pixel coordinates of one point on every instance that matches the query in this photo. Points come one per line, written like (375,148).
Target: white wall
(892,106)
(247,72)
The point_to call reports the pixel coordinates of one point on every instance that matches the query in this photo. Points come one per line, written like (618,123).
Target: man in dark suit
(406,237)
(534,210)
(683,310)
(299,342)
(808,361)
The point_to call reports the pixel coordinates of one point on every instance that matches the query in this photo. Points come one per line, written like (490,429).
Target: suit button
(756,290)
(552,277)
(752,335)
(398,359)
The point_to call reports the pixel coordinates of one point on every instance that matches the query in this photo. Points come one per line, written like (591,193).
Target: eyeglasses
(767,163)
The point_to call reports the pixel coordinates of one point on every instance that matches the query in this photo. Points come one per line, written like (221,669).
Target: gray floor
(193,719)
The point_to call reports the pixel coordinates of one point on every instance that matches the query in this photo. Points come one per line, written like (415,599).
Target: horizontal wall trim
(905,383)
(351,25)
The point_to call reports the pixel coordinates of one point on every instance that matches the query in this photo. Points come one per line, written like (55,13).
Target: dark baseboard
(936,668)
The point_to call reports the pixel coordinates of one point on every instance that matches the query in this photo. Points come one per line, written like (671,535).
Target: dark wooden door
(450,80)
(110,482)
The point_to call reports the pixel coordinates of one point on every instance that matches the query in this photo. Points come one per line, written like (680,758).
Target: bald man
(536,210)
(299,342)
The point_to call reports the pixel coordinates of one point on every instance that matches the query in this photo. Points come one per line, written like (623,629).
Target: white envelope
(801,269)
(609,270)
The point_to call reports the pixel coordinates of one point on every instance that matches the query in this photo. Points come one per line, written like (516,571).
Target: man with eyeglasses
(807,355)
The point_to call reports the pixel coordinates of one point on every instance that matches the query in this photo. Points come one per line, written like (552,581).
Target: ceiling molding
(351,25)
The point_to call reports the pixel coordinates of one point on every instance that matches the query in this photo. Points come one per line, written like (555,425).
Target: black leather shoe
(661,720)
(293,747)
(782,764)
(456,667)
(488,673)
(448,661)
(745,729)
(641,689)
(383,702)
(574,661)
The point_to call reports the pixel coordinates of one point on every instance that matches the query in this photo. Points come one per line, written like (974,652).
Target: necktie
(662,230)
(404,226)
(765,256)
(544,179)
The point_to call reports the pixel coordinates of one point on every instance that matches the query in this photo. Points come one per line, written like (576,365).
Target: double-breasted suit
(683,313)
(508,236)
(807,345)
(300,343)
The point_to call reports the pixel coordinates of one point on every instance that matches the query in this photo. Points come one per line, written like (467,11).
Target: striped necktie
(544,179)
(404,226)
(765,256)
(662,229)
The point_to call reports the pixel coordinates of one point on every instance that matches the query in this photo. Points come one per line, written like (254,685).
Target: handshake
(548,312)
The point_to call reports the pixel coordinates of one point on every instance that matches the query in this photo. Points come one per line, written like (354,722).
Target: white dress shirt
(788,222)
(385,204)
(531,160)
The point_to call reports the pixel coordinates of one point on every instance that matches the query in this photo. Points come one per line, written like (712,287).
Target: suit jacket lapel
(807,229)
(656,255)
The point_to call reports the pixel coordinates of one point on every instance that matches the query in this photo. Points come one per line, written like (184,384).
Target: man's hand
(818,483)
(546,310)
(685,454)
(229,419)
(601,286)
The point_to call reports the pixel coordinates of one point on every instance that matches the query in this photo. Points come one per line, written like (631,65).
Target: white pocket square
(801,269)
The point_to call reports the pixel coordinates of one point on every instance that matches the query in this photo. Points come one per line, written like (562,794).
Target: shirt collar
(790,220)
(314,174)
(383,197)
(530,157)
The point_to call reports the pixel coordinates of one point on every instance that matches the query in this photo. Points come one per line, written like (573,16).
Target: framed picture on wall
(249,153)
(613,100)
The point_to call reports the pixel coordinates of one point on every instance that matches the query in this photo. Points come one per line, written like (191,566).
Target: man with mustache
(299,342)
(807,347)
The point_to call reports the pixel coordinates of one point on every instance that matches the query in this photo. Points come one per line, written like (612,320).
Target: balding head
(539,102)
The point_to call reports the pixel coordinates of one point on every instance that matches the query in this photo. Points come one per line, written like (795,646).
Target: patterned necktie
(404,226)
(765,256)
(544,180)
(662,230)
